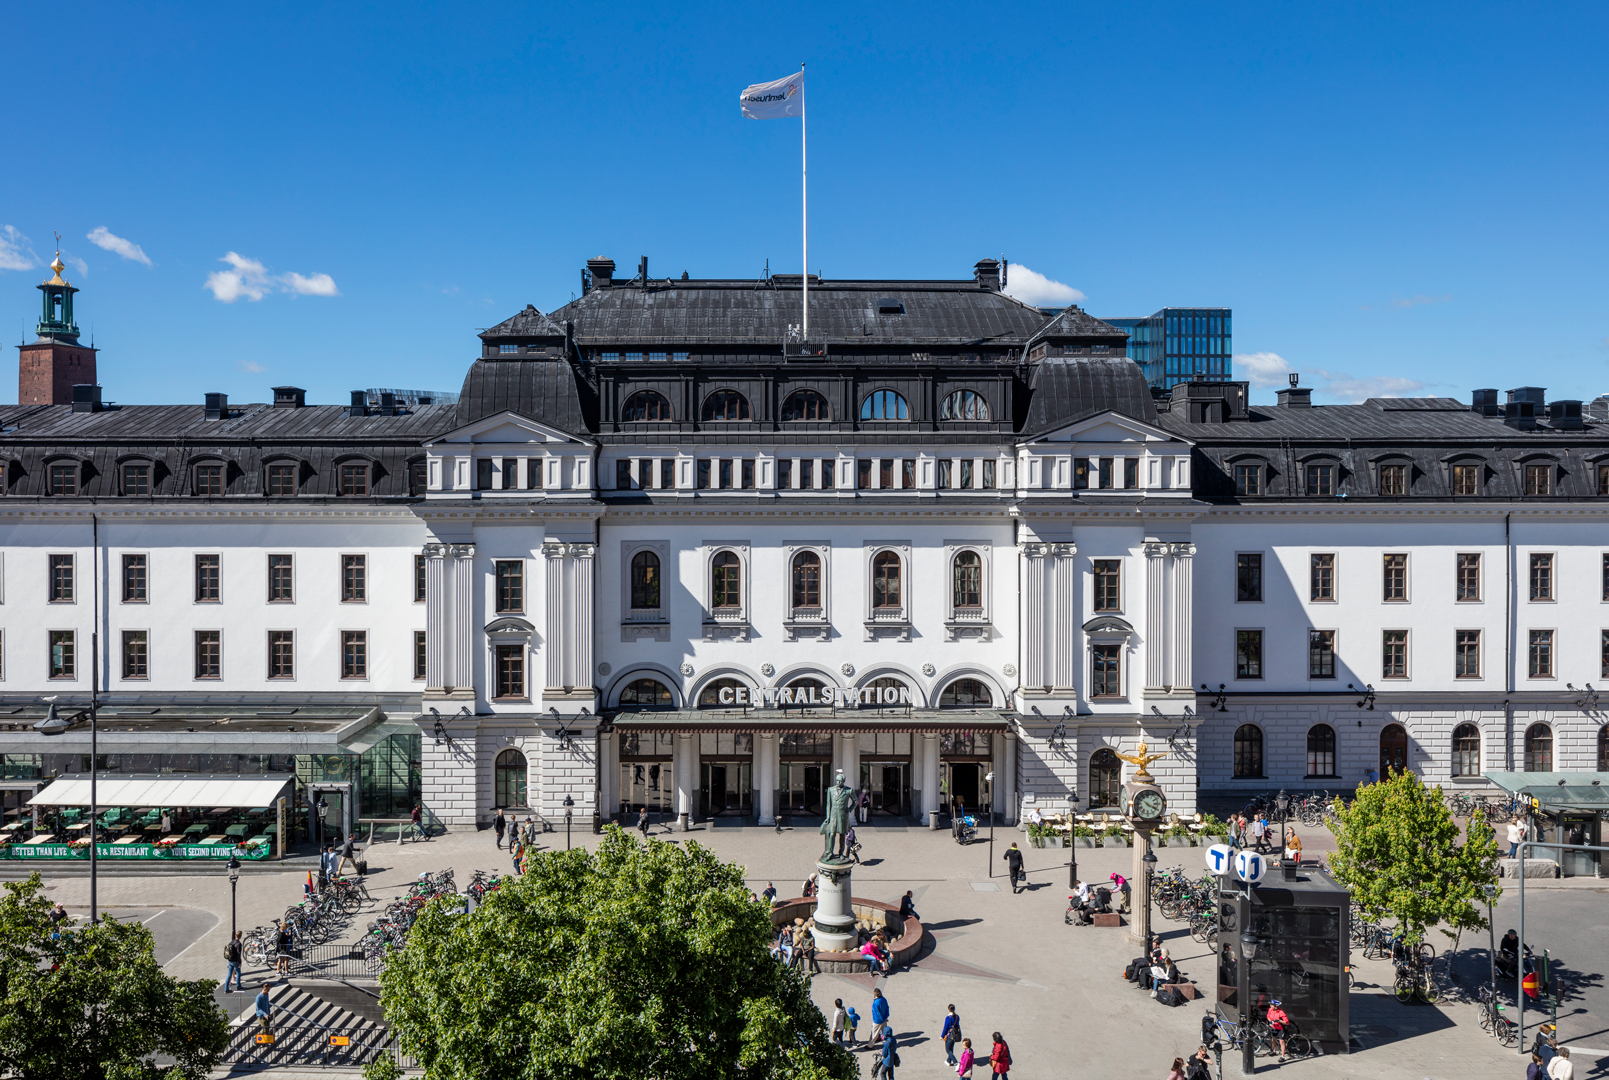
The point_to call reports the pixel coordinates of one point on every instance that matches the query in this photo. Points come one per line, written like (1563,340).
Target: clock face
(1149,805)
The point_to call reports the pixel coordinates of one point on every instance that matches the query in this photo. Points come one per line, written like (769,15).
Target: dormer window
(136,479)
(1321,480)
(209,480)
(508,349)
(354,479)
(1393,479)
(64,479)
(1539,479)
(282,479)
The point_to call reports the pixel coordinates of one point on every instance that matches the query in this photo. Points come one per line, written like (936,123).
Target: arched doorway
(1393,749)
(510,777)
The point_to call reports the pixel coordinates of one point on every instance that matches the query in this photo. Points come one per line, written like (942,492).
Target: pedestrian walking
(1516,837)
(418,820)
(324,866)
(840,1020)
(1177,1072)
(949,1032)
(642,822)
(231,955)
(879,1015)
(1199,1067)
(347,856)
(770,893)
(865,805)
(499,824)
(515,850)
(265,1012)
(1000,1058)
(852,1019)
(1561,1068)
(282,948)
(852,844)
(963,1068)
(890,1058)
(1013,859)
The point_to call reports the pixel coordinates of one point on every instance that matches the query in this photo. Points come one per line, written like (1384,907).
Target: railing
(355,961)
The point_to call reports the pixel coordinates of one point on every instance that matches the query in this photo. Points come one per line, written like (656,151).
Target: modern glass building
(1181,345)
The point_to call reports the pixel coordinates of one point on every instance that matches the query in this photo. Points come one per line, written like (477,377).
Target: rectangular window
(355,480)
(354,654)
(1539,479)
(510,586)
(1248,654)
(1603,479)
(1108,585)
(785,474)
(703,473)
(726,474)
(885,473)
(1321,578)
(747,474)
(136,654)
(1393,479)
(418,654)
(863,473)
(1106,663)
(1248,577)
(136,479)
(1466,479)
(807,473)
(1105,472)
(511,474)
(966,473)
(1541,654)
(64,479)
(1603,649)
(282,479)
(1080,473)
(61,579)
(209,579)
(1321,654)
(281,654)
(1469,576)
(1395,579)
(354,578)
(1541,577)
(1131,472)
(667,472)
(418,579)
(511,671)
(134,579)
(907,473)
(209,654)
(483,474)
(209,479)
(62,655)
(623,475)
(281,579)
(827,472)
(1466,654)
(419,478)
(1394,654)
(1321,479)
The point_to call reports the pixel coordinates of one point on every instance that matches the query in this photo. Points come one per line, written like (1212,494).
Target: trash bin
(933,819)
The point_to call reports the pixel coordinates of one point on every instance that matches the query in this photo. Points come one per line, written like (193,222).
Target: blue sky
(1392,198)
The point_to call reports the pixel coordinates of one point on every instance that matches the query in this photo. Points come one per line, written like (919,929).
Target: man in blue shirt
(265,1011)
(879,1016)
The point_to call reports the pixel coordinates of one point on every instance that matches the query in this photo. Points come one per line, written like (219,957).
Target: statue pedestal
(835,915)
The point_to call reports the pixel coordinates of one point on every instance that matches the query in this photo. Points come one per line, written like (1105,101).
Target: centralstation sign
(834,697)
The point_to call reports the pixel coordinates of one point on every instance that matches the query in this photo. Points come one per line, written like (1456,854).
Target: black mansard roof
(1067,391)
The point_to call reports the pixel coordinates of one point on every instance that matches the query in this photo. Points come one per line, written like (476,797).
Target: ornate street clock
(1142,798)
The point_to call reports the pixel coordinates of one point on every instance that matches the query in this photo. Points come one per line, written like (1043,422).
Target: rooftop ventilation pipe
(217,406)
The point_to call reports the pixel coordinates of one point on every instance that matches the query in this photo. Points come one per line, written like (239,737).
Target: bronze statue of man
(836,822)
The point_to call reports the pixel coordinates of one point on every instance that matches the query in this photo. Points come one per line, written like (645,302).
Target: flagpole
(804,210)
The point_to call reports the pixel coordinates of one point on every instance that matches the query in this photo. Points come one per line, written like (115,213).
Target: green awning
(1557,790)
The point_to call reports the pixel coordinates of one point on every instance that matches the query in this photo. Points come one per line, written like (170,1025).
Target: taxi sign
(1531,984)
(340,1040)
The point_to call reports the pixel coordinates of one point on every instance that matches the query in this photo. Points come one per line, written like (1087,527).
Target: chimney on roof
(360,404)
(217,406)
(601,272)
(289,397)
(987,274)
(1524,402)
(642,269)
(1485,403)
(1296,397)
(1565,415)
(86,397)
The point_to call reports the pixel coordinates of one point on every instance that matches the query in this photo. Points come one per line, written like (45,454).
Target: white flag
(778,100)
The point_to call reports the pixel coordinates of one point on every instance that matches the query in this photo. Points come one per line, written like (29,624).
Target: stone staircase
(306,1016)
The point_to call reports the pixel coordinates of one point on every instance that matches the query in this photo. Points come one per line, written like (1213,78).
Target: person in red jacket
(1279,1020)
(1000,1058)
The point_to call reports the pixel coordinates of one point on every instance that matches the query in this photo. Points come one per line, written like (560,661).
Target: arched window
(964,405)
(966,581)
(806,580)
(510,774)
(966,694)
(805,405)
(885,580)
(1105,778)
(1466,750)
(1538,748)
(645,580)
(1393,749)
(1603,748)
(884,405)
(808,683)
(1321,750)
(649,693)
(645,405)
(726,405)
(1248,751)
(887,691)
(726,581)
(711,697)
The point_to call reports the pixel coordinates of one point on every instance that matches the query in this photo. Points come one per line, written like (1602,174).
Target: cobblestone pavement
(1007,961)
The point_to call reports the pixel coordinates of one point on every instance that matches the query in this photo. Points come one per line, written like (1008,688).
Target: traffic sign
(265,1039)
(1250,867)
(1220,858)
(340,1040)
(1531,984)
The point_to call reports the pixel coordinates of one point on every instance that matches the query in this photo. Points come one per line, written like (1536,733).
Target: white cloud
(16,252)
(1037,289)
(102,237)
(1262,369)
(250,279)
(1349,389)
(313,285)
(1415,301)
(247,365)
(78,264)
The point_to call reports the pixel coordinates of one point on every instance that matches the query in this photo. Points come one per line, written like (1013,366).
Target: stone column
(767,762)
(930,774)
(554,643)
(608,776)
(1005,776)
(850,763)
(1156,625)
(686,778)
(461,674)
(1140,888)
(438,627)
(835,914)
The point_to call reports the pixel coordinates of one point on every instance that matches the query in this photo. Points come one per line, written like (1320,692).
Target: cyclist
(1278,1019)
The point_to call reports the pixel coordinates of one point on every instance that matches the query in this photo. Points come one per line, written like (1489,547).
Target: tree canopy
(1398,853)
(91,1002)
(647,962)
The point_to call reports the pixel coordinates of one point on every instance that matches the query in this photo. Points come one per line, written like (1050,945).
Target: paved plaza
(1008,962)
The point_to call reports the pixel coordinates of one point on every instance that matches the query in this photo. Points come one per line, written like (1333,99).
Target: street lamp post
(234,884)
(1491,932)
(1249,943)
(989,781)
(569,809)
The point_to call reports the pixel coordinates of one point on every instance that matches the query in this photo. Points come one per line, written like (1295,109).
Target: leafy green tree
(92,1003)
(640,962)
(1398,853)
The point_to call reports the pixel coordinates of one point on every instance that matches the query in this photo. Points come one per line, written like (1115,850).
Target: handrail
(315,1023)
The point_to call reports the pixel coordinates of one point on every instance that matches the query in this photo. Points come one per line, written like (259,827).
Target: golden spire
(57,265)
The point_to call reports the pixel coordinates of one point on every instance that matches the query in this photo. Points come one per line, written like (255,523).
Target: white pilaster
(767,762)
(1181,613)
(1005,779)
(1033,625)
(461,676)
(1156,627)
(438,640)
(554,643)
(581,616)
(686,772)
(1066,633)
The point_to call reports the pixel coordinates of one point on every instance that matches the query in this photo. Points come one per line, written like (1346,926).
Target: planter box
(1084,841)
(1056,841)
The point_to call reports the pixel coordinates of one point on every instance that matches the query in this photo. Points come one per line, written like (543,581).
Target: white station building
(662,552)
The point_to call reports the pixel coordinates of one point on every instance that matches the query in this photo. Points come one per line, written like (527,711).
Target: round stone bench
(904,935)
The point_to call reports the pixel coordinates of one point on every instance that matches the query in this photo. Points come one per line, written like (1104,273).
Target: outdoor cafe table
(237,830)
(213,839)
(76,828)
(42,838)
(13,825)
(172,837)
(128,840)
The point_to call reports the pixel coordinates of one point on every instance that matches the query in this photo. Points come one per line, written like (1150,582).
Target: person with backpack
(1000,1059)
(950,1032)
(1013,857)
(890,1059)
(231,955)
(852,1019)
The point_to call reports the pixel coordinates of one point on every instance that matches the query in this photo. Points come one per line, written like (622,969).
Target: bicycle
(1501,1028)
(1297,1045)
(1234,1035)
